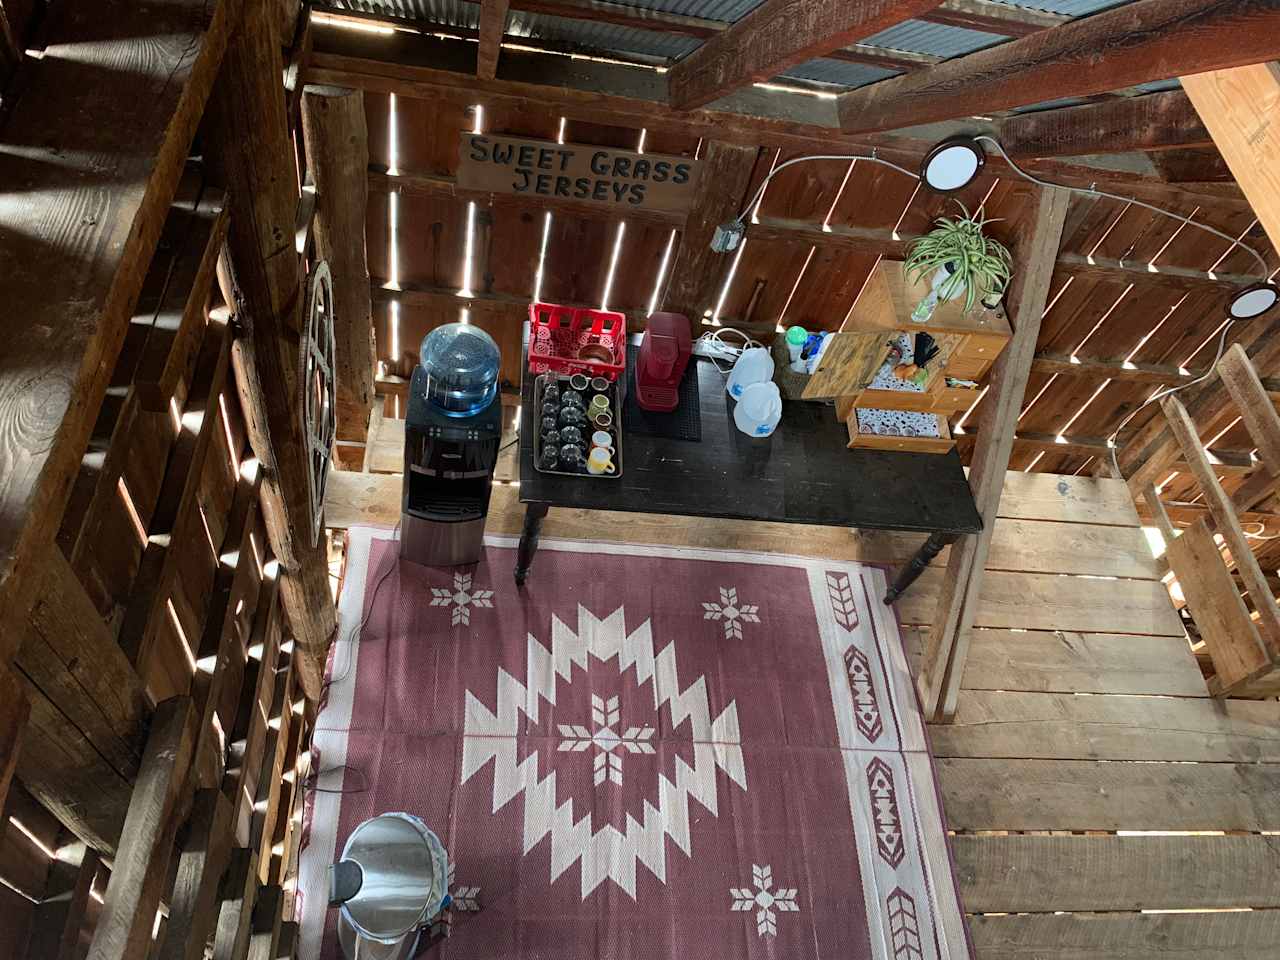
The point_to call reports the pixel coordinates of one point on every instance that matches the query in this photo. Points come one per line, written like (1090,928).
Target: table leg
(533,517)
(907,575)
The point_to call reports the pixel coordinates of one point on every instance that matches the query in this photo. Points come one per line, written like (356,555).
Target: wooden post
(57,921)
(722,190)
(1035,253)
(333,126)
(235,905)
(251,154)
(204,856)
(1241,109)
(13,716)
(141,865)
(493,24)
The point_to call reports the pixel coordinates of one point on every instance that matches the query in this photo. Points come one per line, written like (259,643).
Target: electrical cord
(717,350)
(352,638)
(1161,394)
(817,156)
(1094,191)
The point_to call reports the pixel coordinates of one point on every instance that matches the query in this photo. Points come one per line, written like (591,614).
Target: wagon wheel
(318,384)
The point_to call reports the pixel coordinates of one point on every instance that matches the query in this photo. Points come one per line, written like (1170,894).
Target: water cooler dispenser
(452,434)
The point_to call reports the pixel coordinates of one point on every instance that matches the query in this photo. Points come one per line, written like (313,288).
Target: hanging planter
(960,261)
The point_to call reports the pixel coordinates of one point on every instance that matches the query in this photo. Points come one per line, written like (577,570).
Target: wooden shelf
(968,342)
(888,298)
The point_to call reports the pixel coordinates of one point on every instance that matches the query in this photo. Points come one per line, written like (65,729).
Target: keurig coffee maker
(451,442)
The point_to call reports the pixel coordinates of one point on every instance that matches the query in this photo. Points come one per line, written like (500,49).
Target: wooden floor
(1103,806)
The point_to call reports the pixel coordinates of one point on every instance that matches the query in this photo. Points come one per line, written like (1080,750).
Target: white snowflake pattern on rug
(461,900)
(490,736)
(461,598)
(606,765)
(732,612)
(764,900)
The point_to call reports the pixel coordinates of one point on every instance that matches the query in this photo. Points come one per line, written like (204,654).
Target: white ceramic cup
(599,461)
(603,439)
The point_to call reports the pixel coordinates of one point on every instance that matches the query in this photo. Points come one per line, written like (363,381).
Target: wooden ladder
(1242,638)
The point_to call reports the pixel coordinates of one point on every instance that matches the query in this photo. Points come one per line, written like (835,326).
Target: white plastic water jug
(759,409)
(754,365)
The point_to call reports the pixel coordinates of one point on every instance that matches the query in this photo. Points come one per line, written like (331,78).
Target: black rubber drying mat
(682,423)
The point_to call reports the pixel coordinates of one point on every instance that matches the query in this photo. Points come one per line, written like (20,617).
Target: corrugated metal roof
(727,10)
(600,37)
(452,13)
(839,72)
(936,39)
(1071,8)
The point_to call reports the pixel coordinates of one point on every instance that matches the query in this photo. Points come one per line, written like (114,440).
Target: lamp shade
(1253,300)
(952,164)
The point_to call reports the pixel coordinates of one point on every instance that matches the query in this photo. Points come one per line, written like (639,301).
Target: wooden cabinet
(968,341)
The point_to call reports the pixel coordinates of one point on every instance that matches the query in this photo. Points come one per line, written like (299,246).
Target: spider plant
(977,265)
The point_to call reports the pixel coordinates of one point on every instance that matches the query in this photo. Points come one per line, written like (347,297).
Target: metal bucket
(392,879)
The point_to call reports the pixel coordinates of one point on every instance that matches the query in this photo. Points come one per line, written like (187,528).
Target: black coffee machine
(452,434)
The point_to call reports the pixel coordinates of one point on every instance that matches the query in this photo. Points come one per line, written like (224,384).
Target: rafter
(429,67)
(777,35)
(1129,45)
(1158,121)
(493,23)
(1125,371)
(987,16)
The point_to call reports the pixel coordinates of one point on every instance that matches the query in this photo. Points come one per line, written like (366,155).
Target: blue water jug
(461,362)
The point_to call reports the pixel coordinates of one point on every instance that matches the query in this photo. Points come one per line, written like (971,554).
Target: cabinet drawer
(939,444)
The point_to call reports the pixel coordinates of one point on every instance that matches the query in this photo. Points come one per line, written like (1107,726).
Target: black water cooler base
(441,543)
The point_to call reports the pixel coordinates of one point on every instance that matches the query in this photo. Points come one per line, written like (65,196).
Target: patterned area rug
(647,753)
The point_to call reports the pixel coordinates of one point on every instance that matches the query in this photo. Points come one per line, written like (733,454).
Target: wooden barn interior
(191,190)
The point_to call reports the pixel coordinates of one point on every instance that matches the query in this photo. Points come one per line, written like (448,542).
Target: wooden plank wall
(162,589)
(1088,776)
(1100,308)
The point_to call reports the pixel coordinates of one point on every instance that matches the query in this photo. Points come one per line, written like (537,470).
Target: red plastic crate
(557,333)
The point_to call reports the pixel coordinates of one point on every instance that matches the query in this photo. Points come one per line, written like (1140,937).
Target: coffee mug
(603,439)
(579,381)
(599,462)
(549,458)
(602,420)
(572,415)
(549,423)
(550,408)
(551,391)
(571,398)
(571,455)
(599,384)
(551,438)
(571,434)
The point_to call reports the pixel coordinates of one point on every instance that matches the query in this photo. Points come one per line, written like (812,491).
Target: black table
(804,473)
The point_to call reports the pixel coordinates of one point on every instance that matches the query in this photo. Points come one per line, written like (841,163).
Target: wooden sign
(601,175)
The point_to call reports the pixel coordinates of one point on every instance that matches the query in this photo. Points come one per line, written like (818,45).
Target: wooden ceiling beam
(1157,121)
(493,24)
(433,68)
(1224,461)
(641,18)
(1122,47)
(1240,109)
(1191,165)
(1126,372)
(777,35)
(987,16)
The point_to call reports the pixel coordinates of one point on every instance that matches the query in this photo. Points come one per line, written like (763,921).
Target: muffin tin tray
(615,410)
